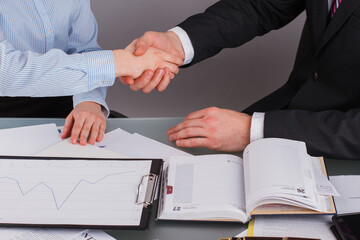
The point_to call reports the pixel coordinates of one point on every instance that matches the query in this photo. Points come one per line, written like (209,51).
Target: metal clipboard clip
(150,190)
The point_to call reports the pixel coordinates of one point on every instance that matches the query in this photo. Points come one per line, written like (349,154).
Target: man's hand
(160,79)
(214,128)
(86,120)
(127,64)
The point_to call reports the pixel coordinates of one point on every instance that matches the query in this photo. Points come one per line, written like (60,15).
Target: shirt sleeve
(100,64)
(186,43)
(257,126)
(56,73)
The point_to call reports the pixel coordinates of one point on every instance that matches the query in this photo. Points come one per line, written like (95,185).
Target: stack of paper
(27,141)
(137,146)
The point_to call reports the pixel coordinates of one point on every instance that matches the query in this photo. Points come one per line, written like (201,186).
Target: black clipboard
(152,178)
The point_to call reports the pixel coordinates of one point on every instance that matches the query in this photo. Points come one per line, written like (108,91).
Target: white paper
(203,188)
(294,226)
(67,149)
(349,189)
(91,193)
(27,141)
(91,235)
(113,136)
(138,146)
(279,171)
(52,233)
(323,185)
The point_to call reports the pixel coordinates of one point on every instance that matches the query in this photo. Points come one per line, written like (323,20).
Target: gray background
(233,79)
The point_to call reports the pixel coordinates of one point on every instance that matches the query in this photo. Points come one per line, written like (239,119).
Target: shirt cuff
(257,126)
(186,43)
(100,68)
(97,95)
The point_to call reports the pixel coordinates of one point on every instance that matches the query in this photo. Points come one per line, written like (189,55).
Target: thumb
(142,45)
(141,50)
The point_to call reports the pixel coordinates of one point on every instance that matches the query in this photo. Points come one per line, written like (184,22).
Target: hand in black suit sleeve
(231,23)
(331,133)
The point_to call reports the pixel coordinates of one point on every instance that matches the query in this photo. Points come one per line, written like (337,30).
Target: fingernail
(73,141)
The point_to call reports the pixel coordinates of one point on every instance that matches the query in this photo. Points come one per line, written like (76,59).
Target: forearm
(331,133)
(54,73)
(231,23)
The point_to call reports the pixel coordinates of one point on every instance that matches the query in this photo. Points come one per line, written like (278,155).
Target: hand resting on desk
(214,128)
(86,120)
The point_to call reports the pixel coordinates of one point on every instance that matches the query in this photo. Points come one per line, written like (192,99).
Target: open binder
(76,192)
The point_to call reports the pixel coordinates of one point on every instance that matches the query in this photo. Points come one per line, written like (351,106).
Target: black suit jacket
(320,103)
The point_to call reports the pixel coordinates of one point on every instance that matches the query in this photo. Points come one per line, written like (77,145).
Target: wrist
(89,105)
(177,44)
(121,58)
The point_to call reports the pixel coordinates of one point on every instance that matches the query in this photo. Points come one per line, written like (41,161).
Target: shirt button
(49,30)
(315,76)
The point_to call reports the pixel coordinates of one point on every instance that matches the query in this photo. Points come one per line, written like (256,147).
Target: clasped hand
(157,76)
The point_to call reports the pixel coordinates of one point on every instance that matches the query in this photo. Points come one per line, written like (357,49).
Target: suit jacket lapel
(346,8)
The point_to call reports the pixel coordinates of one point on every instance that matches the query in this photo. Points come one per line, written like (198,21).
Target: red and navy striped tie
(334,7)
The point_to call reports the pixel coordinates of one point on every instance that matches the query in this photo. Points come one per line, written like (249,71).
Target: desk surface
(174,230)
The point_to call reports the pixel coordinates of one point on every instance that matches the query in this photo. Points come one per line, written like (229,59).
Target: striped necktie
(334,7)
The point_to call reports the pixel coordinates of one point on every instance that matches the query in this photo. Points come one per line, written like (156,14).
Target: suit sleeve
(231,23)
(331,133)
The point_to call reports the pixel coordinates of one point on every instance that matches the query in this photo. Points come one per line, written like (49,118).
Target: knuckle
(215,144)
(208,121)
(148,34)
(186,132)
(212,110)
(77,127)
(186,123)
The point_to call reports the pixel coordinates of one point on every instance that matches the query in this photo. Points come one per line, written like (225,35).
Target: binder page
(296,226)
(71,192)
(205,187)
(279,171)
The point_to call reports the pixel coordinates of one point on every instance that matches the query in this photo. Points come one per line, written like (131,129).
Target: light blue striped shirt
(49,48)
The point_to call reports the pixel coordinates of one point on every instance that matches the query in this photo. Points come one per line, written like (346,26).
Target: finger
(171,58)
(101,131)
(85,131)
(126,80)
(194,142)
(69,121)
(185,124)
(172,67)
(94,131)
(172,76)
(158,75)
(75,132)
(142,81)
(165,81)
(188,133)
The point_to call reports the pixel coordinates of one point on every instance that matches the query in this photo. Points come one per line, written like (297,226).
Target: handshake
(150,61)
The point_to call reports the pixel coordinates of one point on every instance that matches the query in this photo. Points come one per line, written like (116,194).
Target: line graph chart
(70,191)
(58,206)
